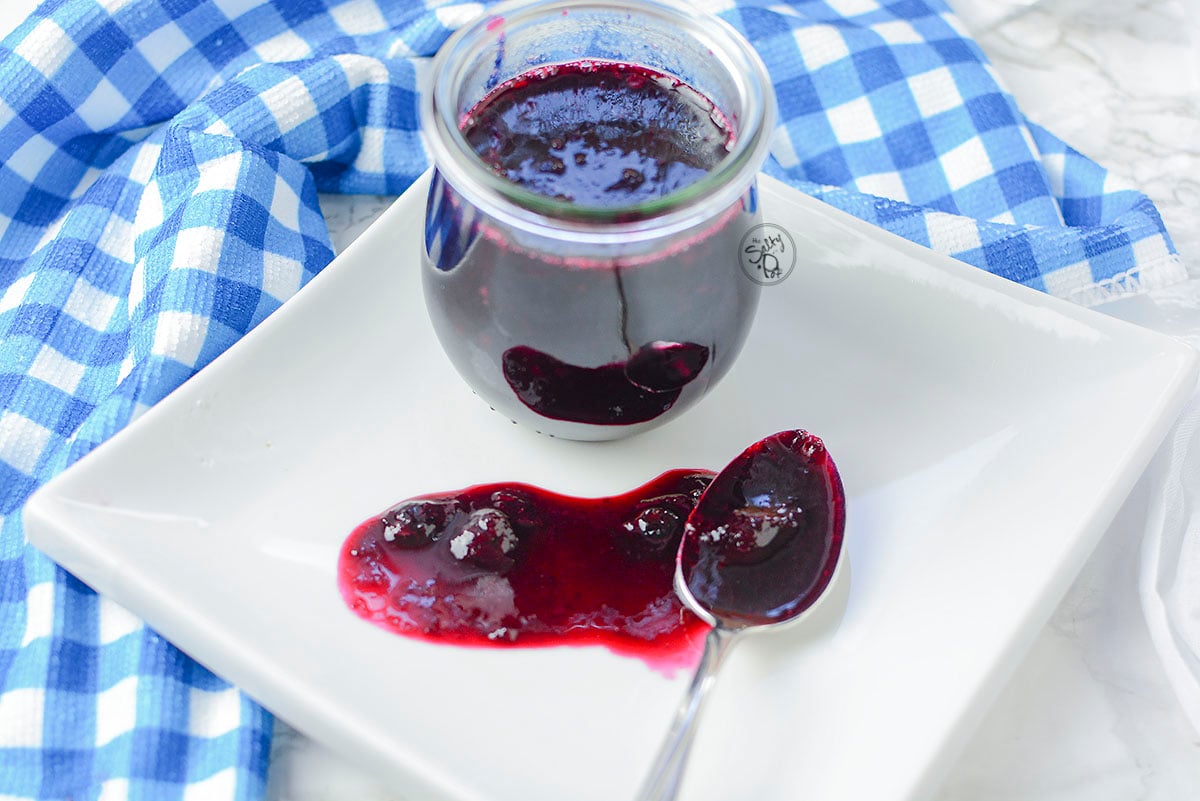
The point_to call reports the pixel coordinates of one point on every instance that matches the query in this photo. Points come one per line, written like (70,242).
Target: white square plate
(986,435)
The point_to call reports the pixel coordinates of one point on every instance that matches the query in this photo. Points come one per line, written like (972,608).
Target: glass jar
(583,321)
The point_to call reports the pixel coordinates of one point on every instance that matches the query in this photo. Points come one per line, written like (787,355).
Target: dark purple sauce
(763,541)
(507,565)
(598,134)
(634,391)
(526,320)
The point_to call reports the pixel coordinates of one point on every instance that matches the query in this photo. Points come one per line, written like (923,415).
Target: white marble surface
(1088,716)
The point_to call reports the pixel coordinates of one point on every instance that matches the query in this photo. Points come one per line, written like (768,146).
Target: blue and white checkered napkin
(161,161)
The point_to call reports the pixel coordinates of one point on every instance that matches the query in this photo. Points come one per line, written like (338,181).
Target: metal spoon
(759,551)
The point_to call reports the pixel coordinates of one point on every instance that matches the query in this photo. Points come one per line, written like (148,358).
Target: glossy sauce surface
(640,388)
(598,133)
(762,544)
(506,565)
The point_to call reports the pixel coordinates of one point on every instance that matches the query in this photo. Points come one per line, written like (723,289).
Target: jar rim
(720,188)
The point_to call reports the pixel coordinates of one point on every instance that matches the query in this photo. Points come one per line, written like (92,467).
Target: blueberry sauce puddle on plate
(511,565)
(506,565)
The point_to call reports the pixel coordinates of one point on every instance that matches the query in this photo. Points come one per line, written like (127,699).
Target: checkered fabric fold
(160,163)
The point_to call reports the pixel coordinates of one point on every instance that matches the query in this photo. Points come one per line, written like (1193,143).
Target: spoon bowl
(841,574)
(760,551)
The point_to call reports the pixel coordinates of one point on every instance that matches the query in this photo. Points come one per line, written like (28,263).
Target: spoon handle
(666,775)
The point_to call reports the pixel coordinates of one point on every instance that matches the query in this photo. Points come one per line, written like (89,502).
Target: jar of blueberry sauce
(595,177)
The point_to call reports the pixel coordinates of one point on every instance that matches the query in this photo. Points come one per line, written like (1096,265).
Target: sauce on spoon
(758,552)
(763,541)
